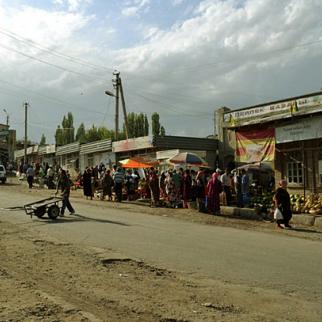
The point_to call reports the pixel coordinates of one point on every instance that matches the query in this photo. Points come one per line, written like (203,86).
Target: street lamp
(109,93)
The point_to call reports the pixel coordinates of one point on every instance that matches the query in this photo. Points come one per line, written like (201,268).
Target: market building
(284,135)
(94,153)
(7,144)
(163,148)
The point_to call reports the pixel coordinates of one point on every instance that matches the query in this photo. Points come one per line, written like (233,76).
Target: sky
(181,58)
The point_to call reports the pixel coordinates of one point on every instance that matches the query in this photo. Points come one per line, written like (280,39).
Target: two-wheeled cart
(51,206)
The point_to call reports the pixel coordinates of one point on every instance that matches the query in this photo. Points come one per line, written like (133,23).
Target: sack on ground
(278,214)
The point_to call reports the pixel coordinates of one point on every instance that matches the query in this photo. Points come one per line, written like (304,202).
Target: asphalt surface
(250,258)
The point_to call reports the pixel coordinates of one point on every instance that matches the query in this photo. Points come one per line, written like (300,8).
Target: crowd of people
(204,189)
(175,188)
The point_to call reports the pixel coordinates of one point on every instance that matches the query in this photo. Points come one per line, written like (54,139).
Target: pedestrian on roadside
(201,190)
(30,173)
(245,187)
(64,185)
(153,182)
(214,188)
(238,188)
(87,183)
(226,183)
(283,203)
(107,184)
(186,184)
(118,184)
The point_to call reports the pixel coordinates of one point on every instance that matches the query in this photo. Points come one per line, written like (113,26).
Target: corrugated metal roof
(183,142)
(68,148)
(97,146)
(47,149)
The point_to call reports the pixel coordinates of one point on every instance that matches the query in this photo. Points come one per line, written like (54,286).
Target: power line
(48,63)
(53,52)
(60,101)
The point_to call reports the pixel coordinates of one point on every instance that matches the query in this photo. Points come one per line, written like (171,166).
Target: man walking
(64,185)
(30,173)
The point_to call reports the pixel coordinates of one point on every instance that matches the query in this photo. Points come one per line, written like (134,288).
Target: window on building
(320,171)
(294,172)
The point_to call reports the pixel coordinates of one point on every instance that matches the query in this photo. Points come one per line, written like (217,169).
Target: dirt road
(116,263)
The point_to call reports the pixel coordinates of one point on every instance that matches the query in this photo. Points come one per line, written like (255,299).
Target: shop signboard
(304,130)
(144,142)
(275,111)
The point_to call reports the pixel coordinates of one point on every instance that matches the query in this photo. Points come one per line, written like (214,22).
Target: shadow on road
(80,218)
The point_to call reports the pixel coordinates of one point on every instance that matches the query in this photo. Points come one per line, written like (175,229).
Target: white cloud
(73,5)
(135,7)
(228,53)
(176,3)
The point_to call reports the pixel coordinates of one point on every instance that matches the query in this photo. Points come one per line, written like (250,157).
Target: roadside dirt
(42,279)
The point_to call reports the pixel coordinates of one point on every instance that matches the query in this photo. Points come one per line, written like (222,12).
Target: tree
(136,125)
(146,125)
(162,131)
(67,129)
(155,124)
(81,133)
(42,140)
(100,133)
(59,136)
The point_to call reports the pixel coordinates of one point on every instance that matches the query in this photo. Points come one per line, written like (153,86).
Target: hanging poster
(255,145)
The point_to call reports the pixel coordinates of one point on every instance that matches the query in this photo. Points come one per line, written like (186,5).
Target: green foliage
(81,133)
(162,131)
(155,124)
(137,125)
(59,136)
(99,133)
(42,140)
(66,133)
(146,125)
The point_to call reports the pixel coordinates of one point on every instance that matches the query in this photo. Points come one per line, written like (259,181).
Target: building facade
(285,135)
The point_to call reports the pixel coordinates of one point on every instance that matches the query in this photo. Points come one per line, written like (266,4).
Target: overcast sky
(180,58)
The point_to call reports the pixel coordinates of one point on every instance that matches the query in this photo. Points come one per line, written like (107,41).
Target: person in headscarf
(214,188)
(170,189)
(107,184)
(87,183)
(186,188)
(153,182)
(283,203)
(201,190)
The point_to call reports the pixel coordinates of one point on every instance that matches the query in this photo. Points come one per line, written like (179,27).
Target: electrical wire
(53,52)
(60,101)
(48,63)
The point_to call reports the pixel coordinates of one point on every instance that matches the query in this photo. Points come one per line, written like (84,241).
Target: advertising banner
(299,131)
(255,145)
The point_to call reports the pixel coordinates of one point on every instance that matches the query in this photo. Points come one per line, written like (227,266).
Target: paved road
(228,254)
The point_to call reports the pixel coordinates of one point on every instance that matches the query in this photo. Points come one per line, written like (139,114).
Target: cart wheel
(53,212)
(40,211)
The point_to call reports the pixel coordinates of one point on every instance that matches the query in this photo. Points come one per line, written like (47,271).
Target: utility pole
(124,109)
(117,91)
(25,141)
(117,83)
